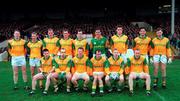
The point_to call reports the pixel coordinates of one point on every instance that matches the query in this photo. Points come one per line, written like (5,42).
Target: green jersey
(99,44)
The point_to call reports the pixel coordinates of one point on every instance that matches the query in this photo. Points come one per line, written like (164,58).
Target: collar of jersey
(61,58)
(17,40)
(119,36)
(99,58)
(47,58)
(160,38)
(140,36)
(114,58)
(79,57)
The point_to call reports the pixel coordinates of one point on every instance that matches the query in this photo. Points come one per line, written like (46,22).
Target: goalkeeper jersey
(99,44)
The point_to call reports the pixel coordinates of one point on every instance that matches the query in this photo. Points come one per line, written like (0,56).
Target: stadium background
(39,16)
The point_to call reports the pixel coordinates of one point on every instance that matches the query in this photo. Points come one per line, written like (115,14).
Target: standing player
(80,42)
(67,43)
(98,64)
(35,47)
(16,48)
(114,69)
(62,66)
(160,53)
(99,43)
(138,69)
(142,42)
(51,43)
(120,42)
(45,70)
(80,69)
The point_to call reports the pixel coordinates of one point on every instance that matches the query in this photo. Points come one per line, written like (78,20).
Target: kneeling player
(80,69)
(138,68)
(98,64)
(114,70)
(45,70)
(62,65)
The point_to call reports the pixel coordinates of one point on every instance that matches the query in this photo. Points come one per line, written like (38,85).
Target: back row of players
(68,59)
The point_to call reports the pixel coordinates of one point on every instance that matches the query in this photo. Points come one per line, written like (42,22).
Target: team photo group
(104,63)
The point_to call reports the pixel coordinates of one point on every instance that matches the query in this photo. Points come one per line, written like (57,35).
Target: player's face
(119,30)
(98,54)
(80,52)
(63,54)
(159,33)
(142,32)
(46,54)
(50,33)
(98,33)
(115,53)
(79,35)
(16,35)
(137,53)
(65,34)
(34,36)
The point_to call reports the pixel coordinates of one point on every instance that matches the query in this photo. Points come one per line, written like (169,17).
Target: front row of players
(98,69)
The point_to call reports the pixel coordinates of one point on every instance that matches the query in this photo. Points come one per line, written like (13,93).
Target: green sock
(15,85)
(93,89)
(25,83)
(101,88)
(155,80)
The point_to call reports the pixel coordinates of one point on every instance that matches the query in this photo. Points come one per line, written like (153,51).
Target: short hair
(159,29)
(16,30)
(142,28)
(119,26)
(98,51)
(81,48)
(50,29)
(45,50)
(34,33)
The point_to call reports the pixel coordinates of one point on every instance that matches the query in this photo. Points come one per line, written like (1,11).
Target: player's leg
(40,82)
(94,85)
(54,77)
(108,83)
(15,77)
(156,60)
(132,76)
(86,78)
(163,70)
(120,83)
(74,79)
(32,69)
(48,81)
(36,77)
(24,77)
(101,86)
(68,81)
(148,82)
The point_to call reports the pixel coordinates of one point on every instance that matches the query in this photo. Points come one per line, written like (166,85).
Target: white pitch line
(161,97)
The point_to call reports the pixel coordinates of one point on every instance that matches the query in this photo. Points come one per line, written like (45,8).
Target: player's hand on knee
(169,60)
(151,60)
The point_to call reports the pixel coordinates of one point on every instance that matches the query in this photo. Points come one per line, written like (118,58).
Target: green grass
(8,94)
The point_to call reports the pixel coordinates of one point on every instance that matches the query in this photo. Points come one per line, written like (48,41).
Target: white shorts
(160,58)
(34,62)
(124,57)
(81,75)
(18,61)
(114,75)
(98,73)
(138,75)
